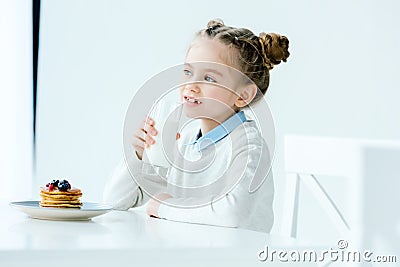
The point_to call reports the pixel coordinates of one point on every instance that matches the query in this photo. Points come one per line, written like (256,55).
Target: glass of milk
(157,158)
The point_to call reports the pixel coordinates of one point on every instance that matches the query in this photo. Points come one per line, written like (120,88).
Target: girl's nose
(193,87)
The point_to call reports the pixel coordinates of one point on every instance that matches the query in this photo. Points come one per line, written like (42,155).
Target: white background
(340,79)
(16,99)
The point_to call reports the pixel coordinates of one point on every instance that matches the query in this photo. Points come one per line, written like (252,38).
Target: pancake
(77,206)
(72,191)
(53,202)
(60,195)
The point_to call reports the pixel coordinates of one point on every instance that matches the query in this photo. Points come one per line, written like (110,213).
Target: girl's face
(213,88)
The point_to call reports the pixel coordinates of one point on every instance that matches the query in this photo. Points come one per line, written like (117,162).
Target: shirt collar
(219,132)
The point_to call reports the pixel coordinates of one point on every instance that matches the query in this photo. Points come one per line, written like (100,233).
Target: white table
(126,238)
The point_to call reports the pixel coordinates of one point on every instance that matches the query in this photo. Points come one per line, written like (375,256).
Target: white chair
(306,158)
(371,170)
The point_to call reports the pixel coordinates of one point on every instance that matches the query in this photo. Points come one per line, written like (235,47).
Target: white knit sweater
(240,164)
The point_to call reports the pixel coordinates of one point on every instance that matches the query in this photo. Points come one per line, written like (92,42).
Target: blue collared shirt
(219,132)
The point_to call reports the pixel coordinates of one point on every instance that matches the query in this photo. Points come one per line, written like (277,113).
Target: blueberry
(64,185)
(55,183)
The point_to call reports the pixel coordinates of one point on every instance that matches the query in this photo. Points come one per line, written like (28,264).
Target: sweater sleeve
(249,169)
(122,190)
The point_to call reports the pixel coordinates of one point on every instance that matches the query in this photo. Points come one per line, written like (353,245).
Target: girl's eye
(209,79)
(187,72)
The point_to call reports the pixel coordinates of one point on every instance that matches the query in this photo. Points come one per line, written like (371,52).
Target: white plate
(86,212)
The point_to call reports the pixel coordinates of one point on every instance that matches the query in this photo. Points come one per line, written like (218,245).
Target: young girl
(239,153)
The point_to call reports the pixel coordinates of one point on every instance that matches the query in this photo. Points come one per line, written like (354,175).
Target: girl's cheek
(220,97)
(181,90)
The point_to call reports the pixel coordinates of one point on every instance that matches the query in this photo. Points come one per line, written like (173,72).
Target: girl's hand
(153,205)
(143,137)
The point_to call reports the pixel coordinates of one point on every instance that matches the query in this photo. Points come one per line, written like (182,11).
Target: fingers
(149,121)
(138,144)
(149,127)
(149,141)
(143,136)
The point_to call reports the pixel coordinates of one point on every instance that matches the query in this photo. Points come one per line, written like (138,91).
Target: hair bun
(274,48)
(215,23)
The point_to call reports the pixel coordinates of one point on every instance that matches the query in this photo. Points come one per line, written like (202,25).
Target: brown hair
(255,55)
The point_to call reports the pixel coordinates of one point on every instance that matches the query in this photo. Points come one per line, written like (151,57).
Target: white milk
(166,115)
(160,153)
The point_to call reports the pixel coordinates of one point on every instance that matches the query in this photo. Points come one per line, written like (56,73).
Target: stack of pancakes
(60,199)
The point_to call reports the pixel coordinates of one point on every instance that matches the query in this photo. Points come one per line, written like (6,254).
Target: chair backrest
(307,157)
(321,155)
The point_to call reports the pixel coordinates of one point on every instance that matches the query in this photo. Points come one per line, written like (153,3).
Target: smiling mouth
(191,100)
